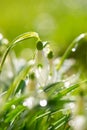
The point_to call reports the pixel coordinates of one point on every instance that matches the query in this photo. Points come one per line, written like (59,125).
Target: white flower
(30,102)
(78,123)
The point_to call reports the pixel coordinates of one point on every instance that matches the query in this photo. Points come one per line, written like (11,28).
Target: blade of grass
(70,89)
(59,125)
(67,52)
(48,87)
(13,114)
(14,101)
(59,121)
(15,42)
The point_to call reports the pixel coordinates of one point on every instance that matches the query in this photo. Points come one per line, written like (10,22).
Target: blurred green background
(58,21)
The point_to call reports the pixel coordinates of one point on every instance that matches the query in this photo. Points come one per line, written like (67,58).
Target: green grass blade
(48,87)
(70,89)
(15,42)
(13,114)
(67,52)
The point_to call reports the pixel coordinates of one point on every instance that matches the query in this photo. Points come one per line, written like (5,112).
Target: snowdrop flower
(42,66)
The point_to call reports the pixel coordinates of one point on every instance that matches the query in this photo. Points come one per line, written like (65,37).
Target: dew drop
(43,103)
(13,106)
(73,49)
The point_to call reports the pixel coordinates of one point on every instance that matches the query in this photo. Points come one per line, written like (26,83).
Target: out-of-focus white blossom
(78,123)
(5,41)
(30,102)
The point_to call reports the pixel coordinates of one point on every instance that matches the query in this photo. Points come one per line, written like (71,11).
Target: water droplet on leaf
(43,103)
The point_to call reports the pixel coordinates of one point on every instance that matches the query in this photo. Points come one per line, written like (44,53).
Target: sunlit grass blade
(13,114)
(15,42)
(60,122)
(15,101)
(69,89)
(48,87)
(68,50)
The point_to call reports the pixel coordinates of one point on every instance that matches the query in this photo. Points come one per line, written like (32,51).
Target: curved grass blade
(15,42)
(67,52)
